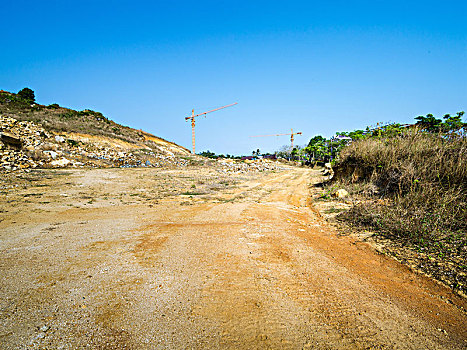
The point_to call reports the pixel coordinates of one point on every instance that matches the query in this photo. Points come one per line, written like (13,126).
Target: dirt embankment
(26,145)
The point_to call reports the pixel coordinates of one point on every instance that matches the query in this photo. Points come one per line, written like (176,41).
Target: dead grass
(412,189)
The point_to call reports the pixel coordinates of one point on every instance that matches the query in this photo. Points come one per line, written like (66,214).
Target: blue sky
(315,66)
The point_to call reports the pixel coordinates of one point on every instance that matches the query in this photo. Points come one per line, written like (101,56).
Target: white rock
(59,138)
(62,162)
(52,154)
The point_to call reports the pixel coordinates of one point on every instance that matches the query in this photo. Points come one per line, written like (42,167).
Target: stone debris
(340,193)
(10,140)
(61,163)
(52,154)
(238,166)
(25,145)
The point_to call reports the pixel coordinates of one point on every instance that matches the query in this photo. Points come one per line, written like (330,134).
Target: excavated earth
(196,258)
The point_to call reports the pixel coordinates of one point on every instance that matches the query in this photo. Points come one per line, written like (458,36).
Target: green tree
(354,135)
(208,154)
(392,130)
(317,148)
(453,123)
(284,152)
(27,94)
(429,123)
(294,153)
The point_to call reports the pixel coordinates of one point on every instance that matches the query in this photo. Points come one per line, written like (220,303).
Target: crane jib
(193,116)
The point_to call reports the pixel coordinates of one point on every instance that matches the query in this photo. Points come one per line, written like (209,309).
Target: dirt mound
(25,144)
(34,135)
(39,136)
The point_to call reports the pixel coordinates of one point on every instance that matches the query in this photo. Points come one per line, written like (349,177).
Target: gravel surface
(199,258)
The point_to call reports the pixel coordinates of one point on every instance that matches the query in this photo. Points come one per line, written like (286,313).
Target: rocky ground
(26,145)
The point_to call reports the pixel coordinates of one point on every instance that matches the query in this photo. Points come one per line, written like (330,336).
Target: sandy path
(251,267)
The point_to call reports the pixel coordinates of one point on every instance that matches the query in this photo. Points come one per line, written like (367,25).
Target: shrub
(413,190)
(27,94)
(424,176)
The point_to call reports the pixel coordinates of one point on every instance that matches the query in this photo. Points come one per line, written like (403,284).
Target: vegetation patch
(412,189)
(188,193)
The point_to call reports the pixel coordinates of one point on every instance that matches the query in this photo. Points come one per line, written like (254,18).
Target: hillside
(34,135)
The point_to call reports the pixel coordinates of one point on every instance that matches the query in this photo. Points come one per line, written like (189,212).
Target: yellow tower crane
(193,116)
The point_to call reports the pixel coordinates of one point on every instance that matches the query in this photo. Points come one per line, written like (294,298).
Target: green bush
(27,94)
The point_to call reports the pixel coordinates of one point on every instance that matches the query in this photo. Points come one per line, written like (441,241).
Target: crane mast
(193,116)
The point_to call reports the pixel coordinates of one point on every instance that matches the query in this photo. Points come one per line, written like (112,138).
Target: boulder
(52,154)
(11,140)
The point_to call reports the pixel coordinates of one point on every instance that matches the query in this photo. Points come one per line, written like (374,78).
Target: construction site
(114,238)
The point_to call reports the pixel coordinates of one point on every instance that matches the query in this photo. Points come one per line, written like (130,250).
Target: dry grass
(412,189)
(424,175)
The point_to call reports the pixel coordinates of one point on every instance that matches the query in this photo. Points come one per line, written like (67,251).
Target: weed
(423,175)
(412,189)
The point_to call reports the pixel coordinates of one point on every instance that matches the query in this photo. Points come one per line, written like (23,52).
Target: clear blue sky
(315,66)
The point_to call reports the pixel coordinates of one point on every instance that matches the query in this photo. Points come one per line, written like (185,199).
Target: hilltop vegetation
(320,148)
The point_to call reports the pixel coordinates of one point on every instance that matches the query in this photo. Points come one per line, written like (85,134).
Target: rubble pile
(24,145)
(237,167)
(17,140)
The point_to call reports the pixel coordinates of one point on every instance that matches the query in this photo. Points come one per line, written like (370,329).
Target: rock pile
(17,140)
(232,166)
(24,144)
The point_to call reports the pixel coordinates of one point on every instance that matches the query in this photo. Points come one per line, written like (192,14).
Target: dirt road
(152,259)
